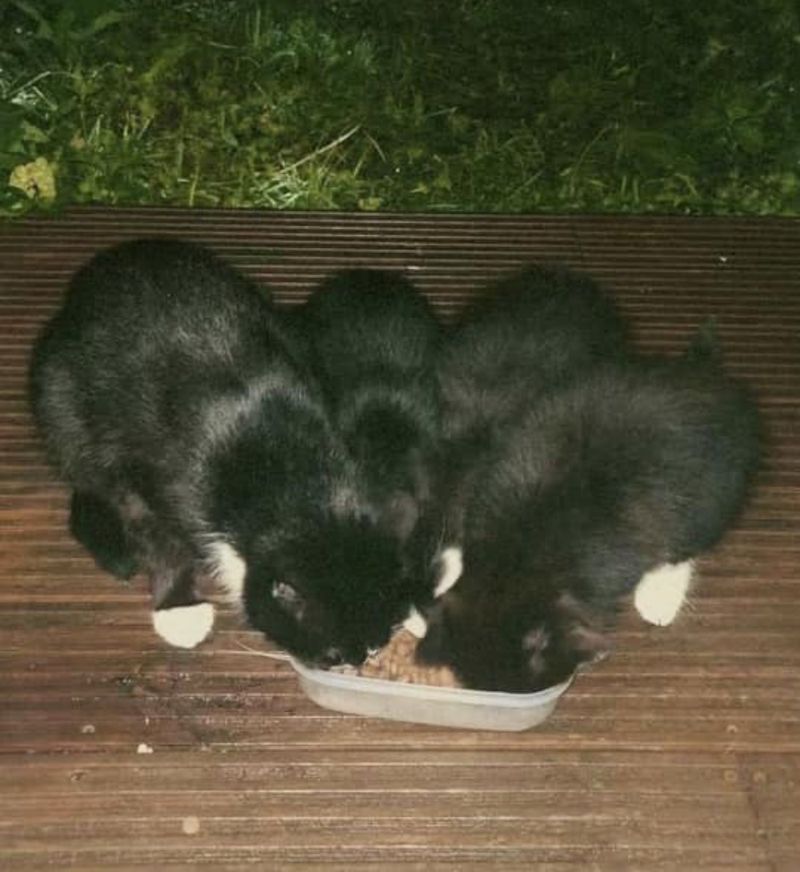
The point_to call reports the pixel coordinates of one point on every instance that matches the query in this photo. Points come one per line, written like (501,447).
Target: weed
(468,105)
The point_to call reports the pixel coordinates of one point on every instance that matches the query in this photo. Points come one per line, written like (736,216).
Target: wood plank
(678,752)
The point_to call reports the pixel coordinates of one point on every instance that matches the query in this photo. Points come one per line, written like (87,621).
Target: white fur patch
(415,623)
(661,592)
(452,563)
(228,570)
(184,626)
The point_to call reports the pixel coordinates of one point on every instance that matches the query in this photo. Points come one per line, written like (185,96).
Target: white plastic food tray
(423,704)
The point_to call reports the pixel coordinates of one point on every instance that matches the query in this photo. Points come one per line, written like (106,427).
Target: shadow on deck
(681,751)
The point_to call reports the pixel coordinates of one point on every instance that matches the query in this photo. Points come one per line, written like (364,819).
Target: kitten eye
(535,641)
(283,591)
(289,599)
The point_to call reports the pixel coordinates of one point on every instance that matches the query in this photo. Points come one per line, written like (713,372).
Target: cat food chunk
(395,662)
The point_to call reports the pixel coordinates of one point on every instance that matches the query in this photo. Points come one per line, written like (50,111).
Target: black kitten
(615,479)
(179,409)
(528,335)
(374,341)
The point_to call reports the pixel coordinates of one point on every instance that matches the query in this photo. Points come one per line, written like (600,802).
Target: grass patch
(436,105)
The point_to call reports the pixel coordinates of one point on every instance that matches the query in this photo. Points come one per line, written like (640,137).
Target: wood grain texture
(681,751)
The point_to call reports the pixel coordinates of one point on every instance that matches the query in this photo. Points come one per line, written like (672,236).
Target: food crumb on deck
(190,825)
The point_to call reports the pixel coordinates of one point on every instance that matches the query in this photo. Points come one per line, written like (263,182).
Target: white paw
(415,623)
(184,626)
(661,592)
(452,564)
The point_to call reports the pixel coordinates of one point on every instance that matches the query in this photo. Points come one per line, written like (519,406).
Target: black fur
(97,525)
(179,408)
(605,472)
(525,337)
(374,341)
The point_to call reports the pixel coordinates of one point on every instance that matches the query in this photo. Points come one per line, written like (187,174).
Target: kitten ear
(583,631)
(289,599)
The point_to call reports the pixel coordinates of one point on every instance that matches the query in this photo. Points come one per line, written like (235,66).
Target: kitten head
(517,648)
(330,596)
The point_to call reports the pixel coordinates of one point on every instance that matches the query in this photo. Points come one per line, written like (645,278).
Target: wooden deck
(681,751)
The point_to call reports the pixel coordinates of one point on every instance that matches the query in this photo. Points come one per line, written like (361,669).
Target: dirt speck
(190,825)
